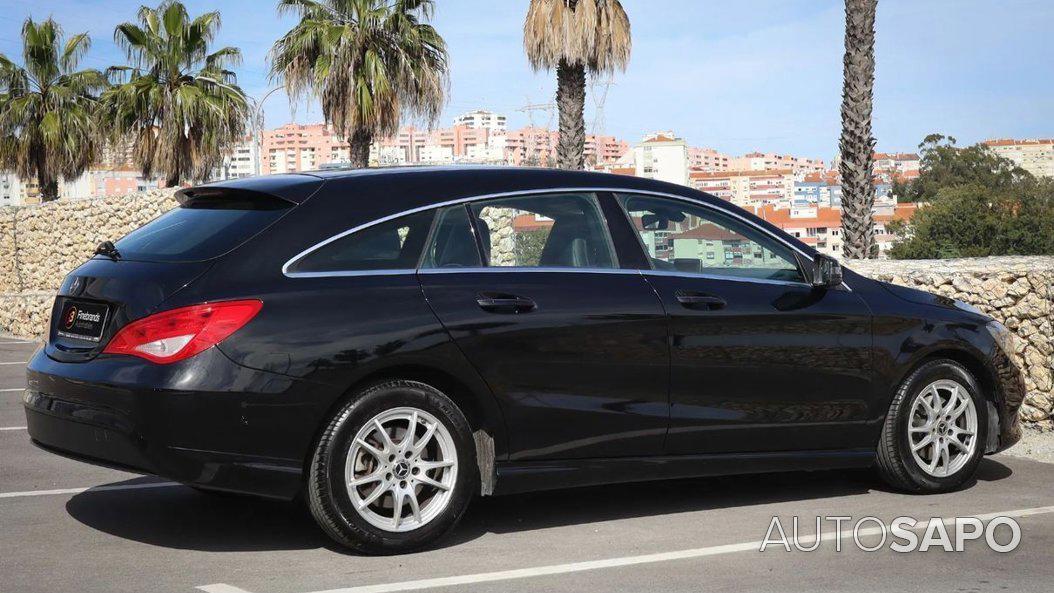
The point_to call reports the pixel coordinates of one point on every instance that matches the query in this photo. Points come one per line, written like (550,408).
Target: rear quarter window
(201,229)
(390,245)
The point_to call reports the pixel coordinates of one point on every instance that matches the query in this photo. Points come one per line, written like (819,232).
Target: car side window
(453,244)
(544,231)
(688,238)
(391,245)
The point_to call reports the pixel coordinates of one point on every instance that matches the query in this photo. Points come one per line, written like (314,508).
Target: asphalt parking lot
(71,527)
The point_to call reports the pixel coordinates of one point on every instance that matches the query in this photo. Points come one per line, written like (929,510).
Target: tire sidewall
(330,459)
(921,380)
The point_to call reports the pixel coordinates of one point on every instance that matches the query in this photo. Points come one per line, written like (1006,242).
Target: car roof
(449,181)
(350,197)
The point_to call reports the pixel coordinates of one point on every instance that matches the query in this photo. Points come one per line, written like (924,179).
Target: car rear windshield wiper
(108,249)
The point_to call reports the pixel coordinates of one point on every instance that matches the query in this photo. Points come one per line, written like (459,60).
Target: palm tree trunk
(359,148)
(173,180)
(48,187)
(571,101)
(857,143)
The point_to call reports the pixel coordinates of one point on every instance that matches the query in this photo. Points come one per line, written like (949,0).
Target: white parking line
(23,362)
(220,588)
(13,428)
(13,389)
(5,343)
(92,488)
(538,571)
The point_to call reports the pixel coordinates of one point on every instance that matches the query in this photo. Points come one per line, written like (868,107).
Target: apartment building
(897,166)
(708,160)
(531,146)
(241,162)
(301,147)
(1034,155)
(481,119)
(10,190)
(821,227)
(662,156)
(767,161)
(746,188)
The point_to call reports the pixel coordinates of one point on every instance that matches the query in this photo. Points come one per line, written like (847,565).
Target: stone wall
(39,245)
(1018,291)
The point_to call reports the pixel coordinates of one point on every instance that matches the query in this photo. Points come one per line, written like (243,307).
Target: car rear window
(201,229)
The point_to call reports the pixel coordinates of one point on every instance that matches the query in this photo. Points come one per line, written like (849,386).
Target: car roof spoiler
(292,189)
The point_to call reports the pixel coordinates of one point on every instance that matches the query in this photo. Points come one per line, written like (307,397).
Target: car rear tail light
(178,334)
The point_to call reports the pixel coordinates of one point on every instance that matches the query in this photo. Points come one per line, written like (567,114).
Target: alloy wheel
(401,469)
(942,430)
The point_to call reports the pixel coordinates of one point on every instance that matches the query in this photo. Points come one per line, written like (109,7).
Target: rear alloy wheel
(935,431)
(402,469)
(394,470)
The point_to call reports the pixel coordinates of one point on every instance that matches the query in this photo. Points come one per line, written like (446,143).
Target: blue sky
(737,76)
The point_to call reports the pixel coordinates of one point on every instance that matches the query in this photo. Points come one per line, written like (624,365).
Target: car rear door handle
(700,301)
(504,303)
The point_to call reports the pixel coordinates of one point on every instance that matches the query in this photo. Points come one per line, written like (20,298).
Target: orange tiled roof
(825,217)
(710,232)
(1013,142)
(725,174)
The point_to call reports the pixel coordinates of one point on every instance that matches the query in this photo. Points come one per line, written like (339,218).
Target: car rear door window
(391,245)
(544,231)
(683,237)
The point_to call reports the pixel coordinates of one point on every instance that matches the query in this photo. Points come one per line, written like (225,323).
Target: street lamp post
(257,125)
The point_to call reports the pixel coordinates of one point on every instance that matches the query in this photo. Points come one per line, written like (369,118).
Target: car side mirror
(827,272)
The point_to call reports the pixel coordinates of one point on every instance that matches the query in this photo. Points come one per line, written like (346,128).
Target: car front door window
(687,238)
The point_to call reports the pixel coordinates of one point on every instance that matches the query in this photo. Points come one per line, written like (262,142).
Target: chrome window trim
(559,190)
(724,277)
(350,273)
(529,270)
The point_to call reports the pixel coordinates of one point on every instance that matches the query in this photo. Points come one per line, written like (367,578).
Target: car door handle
(505,303)
(700,301)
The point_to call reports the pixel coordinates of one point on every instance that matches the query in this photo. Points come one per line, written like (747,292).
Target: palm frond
(593,33)
(371,63)
(179,104)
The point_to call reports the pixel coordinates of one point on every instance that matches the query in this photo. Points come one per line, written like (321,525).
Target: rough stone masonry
(39,245)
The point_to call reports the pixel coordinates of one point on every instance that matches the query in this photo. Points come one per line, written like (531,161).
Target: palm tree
(179,105)
(574,36)
(47,108)
(370,62)
(857,143)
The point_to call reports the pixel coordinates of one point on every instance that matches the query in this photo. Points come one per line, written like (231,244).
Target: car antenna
(108,249)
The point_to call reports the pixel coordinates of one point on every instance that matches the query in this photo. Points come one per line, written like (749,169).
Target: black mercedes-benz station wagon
(390,343)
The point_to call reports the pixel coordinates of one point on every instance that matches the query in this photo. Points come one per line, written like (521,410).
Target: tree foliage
(48,108)
(944,164)
(178,103)
(370,62)
(976,204)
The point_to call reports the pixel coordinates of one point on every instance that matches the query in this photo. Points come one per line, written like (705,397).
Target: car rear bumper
(181,422)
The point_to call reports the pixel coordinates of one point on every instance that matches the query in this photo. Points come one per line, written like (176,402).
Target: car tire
(917,432)
(352,448)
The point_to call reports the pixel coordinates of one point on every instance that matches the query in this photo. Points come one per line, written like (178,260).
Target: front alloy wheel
(935,431)
(943,430)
